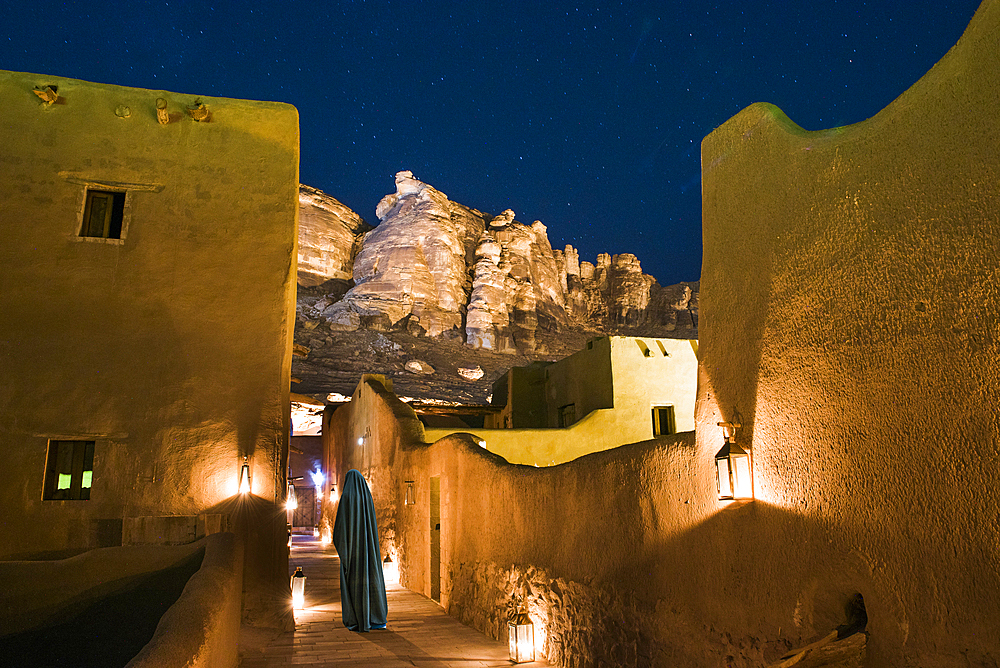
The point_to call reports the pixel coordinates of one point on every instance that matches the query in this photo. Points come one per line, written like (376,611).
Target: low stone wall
(37,593)
(202,628)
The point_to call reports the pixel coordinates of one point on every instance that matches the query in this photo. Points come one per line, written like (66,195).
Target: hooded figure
(355,535)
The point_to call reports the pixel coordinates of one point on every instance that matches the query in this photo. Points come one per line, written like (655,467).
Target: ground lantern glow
(390,570)
(298,589)
(521,638)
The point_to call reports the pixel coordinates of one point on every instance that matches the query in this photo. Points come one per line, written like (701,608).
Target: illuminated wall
(850,311)
(164,338)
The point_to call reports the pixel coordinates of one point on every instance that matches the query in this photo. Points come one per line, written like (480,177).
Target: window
(663,421)
(69,470)
(103,214)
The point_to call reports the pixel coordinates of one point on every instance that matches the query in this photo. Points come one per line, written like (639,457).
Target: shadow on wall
(107,630)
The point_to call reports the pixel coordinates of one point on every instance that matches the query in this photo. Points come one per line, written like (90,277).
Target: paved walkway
(419,631)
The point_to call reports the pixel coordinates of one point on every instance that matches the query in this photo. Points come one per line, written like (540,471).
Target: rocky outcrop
(329,238)
(516,286)
(437,268)
(411,270)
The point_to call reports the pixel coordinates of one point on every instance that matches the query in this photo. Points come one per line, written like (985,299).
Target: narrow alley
(419,633)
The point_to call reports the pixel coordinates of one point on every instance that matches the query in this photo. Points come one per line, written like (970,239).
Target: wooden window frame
(109,206)
(671,427)
(68,461)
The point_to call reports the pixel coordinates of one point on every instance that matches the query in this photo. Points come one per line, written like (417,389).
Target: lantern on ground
(732,466)
(390,570)
(245,477)
(298,589)
(521,637)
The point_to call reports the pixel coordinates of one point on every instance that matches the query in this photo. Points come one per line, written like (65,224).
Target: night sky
(587,116)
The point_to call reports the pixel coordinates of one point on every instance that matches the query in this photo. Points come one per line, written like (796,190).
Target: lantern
(390,570)
(732,466)
(410,498)
(521,638)
(298,588)
(245,477)
(291,502)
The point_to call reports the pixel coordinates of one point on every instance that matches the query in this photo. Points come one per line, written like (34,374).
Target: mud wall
(849,310)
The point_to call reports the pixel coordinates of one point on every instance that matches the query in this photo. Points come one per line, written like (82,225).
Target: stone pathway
(419,631)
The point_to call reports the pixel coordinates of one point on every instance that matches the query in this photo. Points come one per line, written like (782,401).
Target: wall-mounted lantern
(298,589)
(410,498)
(732,466)
(291,501)
(390,570)
(333,493)
(245,477)
(521,637)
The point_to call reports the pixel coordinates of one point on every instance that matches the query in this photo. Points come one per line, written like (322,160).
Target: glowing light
(245,477)
(88,477)
(390,570)
(521,638)
(318,478)
(325,537)
(482,443)
(65,479)
(298,589)
(732,465)
(361,440)
(291,502)
(410,498)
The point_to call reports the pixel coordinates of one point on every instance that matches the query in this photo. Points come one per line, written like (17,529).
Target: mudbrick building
(147,276)
(850,325)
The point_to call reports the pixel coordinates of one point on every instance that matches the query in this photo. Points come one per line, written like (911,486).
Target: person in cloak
(355,535)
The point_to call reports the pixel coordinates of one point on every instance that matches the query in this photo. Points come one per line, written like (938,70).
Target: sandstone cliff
(329,238)
(437,268)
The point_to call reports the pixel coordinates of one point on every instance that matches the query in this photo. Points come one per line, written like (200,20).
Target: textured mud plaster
(169,347)
(850,302)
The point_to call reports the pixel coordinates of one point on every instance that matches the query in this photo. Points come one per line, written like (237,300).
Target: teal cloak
(355,535)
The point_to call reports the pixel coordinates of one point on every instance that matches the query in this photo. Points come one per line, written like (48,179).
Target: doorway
(436,539)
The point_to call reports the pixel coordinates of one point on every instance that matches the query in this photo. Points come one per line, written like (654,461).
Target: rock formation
(411,270)
(329,238)
(516,286)
(437,268)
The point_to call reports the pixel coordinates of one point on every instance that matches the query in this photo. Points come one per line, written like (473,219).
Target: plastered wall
(169,347)
(850,311)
